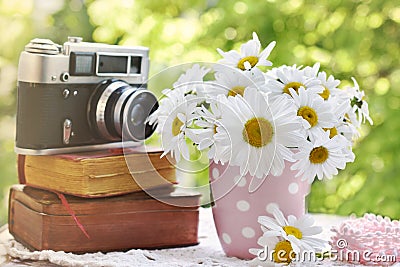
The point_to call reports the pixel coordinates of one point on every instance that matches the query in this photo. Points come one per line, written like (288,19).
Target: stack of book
(101,201)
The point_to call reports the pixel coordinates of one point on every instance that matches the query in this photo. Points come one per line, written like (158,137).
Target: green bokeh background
(349,38)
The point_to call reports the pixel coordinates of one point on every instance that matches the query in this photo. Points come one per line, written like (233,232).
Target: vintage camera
(81,97)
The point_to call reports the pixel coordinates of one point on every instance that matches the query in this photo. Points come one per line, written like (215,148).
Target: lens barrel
(116,108)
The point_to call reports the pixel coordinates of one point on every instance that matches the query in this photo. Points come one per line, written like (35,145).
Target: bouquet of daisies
(258,119)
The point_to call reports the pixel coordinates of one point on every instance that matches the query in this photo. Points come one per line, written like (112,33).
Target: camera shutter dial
(43,46)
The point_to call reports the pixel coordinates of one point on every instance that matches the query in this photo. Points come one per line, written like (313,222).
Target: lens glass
(138,108)
(117,108)
(138,115)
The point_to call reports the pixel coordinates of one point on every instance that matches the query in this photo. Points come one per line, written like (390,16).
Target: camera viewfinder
(81,64)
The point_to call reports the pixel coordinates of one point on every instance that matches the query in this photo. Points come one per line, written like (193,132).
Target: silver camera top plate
(43,61)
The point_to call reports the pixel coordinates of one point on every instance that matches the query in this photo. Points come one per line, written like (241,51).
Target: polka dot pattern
(248,232)
(237,209)
(227,239)
(293,188)
(240,181)
(270,207)
(243,205)
(215,173)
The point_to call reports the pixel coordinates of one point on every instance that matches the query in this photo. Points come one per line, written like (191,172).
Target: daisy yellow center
(251,59)
(318,155)
(176,126)
(290,230)
(257,132)
(294,85)
(309,114)
(236,90)
(332,132)
(325,94)
(283,252)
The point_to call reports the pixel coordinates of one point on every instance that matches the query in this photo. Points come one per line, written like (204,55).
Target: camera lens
(117,108)
(138,108)
(137,115)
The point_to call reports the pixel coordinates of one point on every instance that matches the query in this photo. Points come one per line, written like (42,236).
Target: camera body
(81,97)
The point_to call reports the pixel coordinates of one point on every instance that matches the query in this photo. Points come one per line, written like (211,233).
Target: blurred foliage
(357,38)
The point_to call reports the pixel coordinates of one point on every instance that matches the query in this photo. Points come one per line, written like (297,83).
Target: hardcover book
(40,220)
(98,174)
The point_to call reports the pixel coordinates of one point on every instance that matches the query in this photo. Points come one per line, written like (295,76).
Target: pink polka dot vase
(236,208)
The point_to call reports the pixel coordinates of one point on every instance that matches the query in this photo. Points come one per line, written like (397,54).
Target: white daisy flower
(249,56)
(359,105)
(312,72)
(321,157)
(189,82)
(205,137)
(348,130)
(292,77)
(272,73)
(175,113)
(329,84)
(342,139)
(260,132)
(230,82)
(348,151)
(339,108)
(314,111)
(192,79)
(343,130)
(166,104)
(298,232)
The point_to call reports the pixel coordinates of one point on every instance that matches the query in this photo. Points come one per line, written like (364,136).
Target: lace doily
(207,253)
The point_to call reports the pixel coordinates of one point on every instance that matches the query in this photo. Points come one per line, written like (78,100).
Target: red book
(39,220)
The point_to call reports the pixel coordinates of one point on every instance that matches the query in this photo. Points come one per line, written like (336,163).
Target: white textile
(207,253)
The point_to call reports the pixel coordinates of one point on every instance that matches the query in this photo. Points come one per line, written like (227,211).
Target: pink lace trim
(369,240)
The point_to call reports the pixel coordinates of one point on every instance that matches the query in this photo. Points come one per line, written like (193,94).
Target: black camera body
(82,97)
